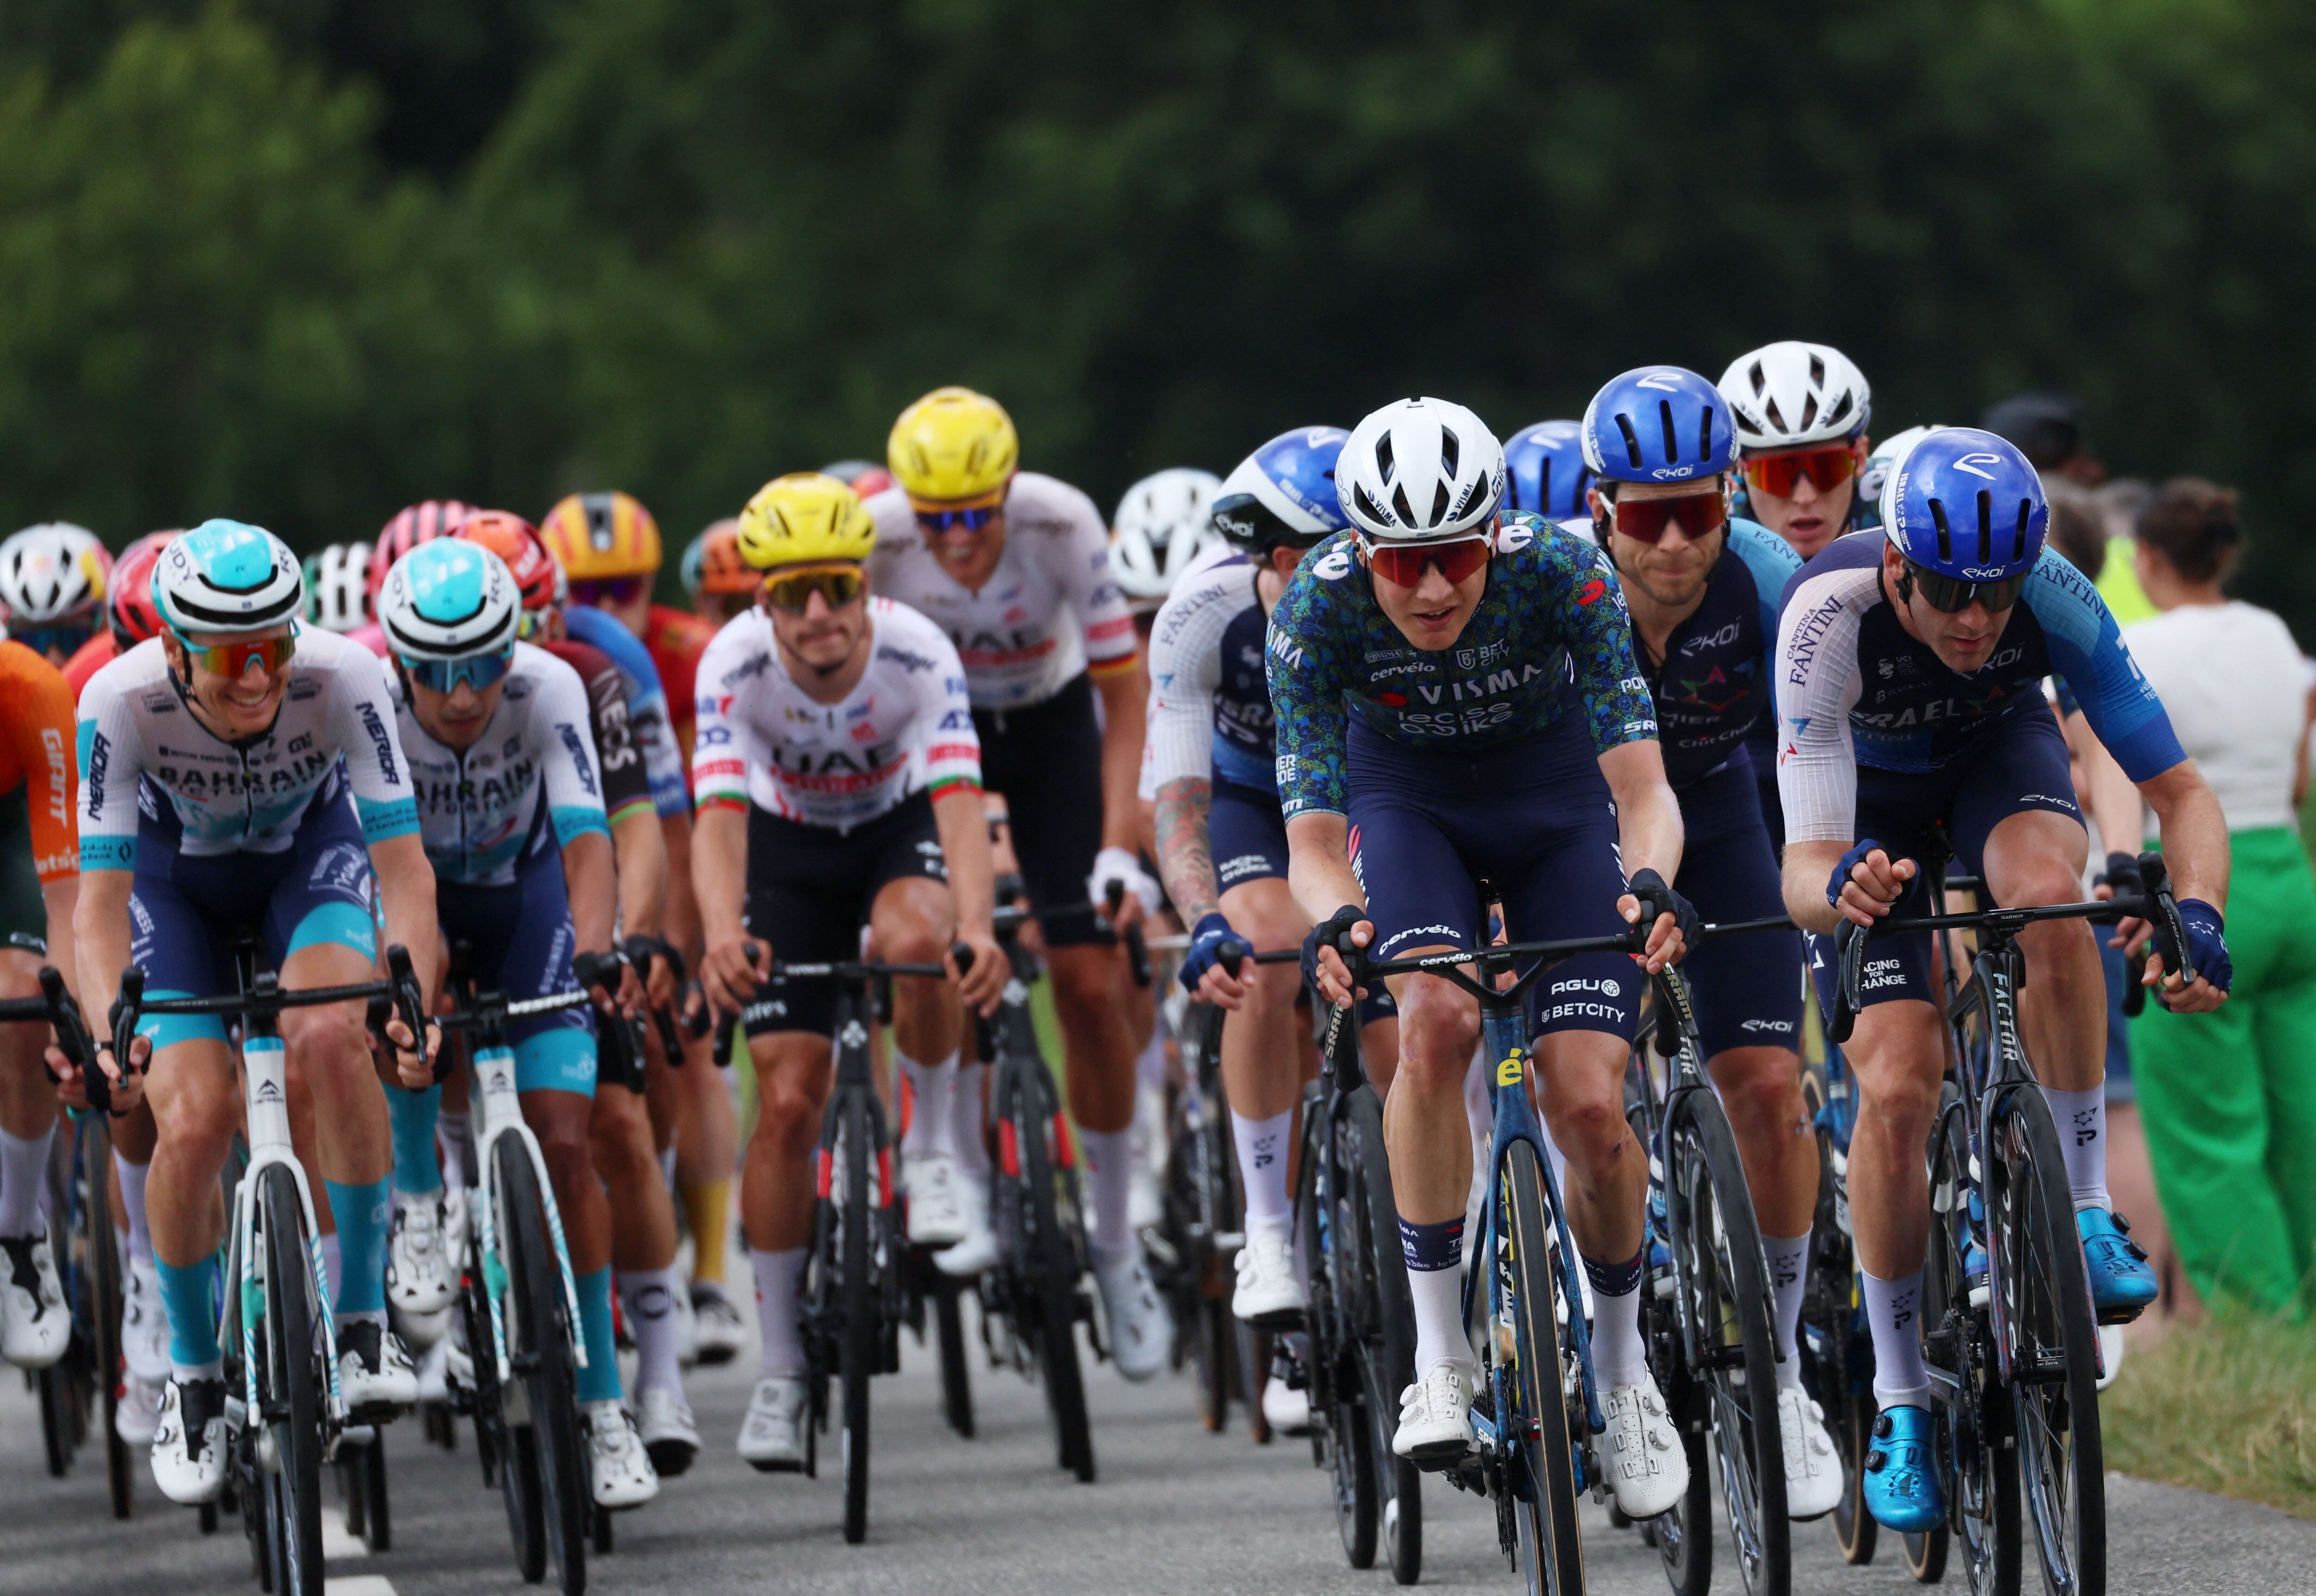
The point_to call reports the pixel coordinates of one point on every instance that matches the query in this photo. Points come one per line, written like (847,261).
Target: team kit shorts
(1247,835)
(1046,759)
(518,937)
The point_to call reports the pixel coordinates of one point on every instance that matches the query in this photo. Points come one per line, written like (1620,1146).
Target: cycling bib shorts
(1249,838)
(1744,987)
(1046,758)
(519,934)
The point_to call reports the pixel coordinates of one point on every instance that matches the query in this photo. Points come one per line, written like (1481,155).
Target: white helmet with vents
(1791,393)
(1164,523)
(1421,469)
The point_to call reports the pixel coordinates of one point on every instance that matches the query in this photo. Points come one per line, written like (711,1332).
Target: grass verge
(2228,1406)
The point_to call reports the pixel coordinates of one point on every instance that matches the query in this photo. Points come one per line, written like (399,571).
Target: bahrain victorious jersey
(906,726)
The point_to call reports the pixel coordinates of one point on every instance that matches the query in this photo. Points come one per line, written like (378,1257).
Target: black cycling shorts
(1046,760)
(810,888)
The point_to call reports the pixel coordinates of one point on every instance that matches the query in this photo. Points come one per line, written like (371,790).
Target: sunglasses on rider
(233,659)
(479,671)
(1777,474)
(1403,565)
(596,592)
(1644,521)
(792,589)
(1951,595)
(63,639)
(970,519)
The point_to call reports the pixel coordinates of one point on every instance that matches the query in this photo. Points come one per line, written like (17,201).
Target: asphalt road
(1176,1509)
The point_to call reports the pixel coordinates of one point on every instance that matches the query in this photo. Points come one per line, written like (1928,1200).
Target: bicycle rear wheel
(290,1387)
(540,1335)
(1055,1253)
(103,1305)
(957,1371)
(1836,1360)
(1977,1450)
(1341,1435)
(2046,1312)
(1386,1325)
(1543,1462)
(857,1300)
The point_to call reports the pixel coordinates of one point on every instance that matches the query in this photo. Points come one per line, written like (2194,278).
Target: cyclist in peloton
(511,807)
(1221,840)
(1545,471)
(235,772)
(52,588)
(1912,719)
(39,885)
(838,779)
(718,580)
(1457,697)
(337,588)
(1015,567)
(1703,588)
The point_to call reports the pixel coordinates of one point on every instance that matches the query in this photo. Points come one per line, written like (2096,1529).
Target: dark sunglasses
(971,521)
(64,639)
(1951,595)
(1698,515)
(837,585)
(1827,469)
(598,591)
(480,671)
(1403,565)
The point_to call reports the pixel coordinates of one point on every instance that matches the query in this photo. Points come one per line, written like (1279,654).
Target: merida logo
(380,741)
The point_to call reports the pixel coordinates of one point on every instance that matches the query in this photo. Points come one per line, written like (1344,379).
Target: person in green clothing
(2229,1098)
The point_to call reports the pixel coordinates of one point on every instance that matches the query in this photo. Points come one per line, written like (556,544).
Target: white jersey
(480,810)
(1208,719)
(1047,613)
(141,750)
(906,726)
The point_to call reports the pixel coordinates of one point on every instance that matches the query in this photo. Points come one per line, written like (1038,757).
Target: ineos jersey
(626,786)
(906,726)
(1550,636)
(481,809)
(649,725)
(1713,684)
(1049,611)
(142,754)
(1853,688)
(1210,713)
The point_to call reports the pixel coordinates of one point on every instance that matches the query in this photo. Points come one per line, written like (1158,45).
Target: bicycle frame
(1673,1016)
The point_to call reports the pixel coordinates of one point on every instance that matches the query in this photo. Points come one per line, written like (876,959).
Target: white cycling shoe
(664,1419)
(1286,1408)
(935,1213)
(1813,1469)
(1141,1329)
(138,1414)
(35,1326)
(189,1442)
(1435,1416)
(621,1470)
(144,1323)
(417,1261)
(1647,1466)
(976,1252)
(720,1335)
(1268,1296)
(771,1437)
(374,1370)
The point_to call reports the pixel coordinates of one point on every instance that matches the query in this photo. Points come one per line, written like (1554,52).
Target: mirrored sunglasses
(598,591)
(1698,515)
(1827,469)
(479,671)
(970,520)
(233,659)
(1403,565)
(1951,595)
(792,590)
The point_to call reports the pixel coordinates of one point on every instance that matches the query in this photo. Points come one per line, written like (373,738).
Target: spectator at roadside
(2048,429)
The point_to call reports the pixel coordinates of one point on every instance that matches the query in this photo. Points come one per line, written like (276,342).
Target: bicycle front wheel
(857,1298)
(1542,1461)
(2044,1312)
(102,1305)
(1055,1254)
(1836,1357)
(1387,1327)
(538,1333)
(1977,1454)
(290,1387)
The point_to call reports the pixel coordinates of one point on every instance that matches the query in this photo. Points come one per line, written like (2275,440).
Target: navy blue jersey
(1712,687)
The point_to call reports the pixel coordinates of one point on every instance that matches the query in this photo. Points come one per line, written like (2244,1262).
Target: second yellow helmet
(804,518)
(953,444)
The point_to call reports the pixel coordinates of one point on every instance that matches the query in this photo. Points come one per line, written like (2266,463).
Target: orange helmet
(713,563)
(596,537)
(517,542)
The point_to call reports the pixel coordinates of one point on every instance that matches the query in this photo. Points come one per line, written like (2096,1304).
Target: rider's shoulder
(1226,584)
(1846,570)
(908,641)
(139,671)
(1040,506)
(1318,584)
(540,667)
(1770,557)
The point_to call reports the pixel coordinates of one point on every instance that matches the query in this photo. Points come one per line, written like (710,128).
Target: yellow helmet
(804,518)
(596,535)
(953,444)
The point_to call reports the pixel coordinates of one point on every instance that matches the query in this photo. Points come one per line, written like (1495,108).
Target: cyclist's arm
(1816,680)
(1648,827)
(406,892)
(61,899)
(639,849)
(1125,690)
(720,868)
(2110,797)
(107,757)
(43,725)
(1113,661)
(2193,832)
(1184,669)
(1319,874)
(588,880)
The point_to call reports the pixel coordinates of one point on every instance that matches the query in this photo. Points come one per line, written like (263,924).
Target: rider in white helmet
(1800,412)
(1165,523)
(337,588)
(52,587)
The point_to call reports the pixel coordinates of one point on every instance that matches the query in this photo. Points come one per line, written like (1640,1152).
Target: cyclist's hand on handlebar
(1323,967)
(2207,957)
(127,1086)
(1141,896)
(2121,878)
(730,969)
(414,1071)
(1868,882)
(1205,971)
(981,983)
(1672,927)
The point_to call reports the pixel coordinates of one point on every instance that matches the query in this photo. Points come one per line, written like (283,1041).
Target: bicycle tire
(1057,1289)
(1541,1466)
(104,1309)
(1978,1461)
(1830,1354)
(2048,1317)
(1254,1351)
(955,1367)
(603,1537)
(292,1388)
(857,1348)
(540,1332)
(1727,1304)
(378,1521)
(1388,1340)
(1342,1436)
(1223,1366)
(1687,1558)
(507,1456)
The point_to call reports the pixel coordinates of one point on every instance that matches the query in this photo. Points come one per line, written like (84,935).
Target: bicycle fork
(266,1074)
(498,1109)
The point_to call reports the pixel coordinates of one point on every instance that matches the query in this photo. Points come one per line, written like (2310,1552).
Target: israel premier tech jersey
(482,808)
(142,754)
(1713,685)
(1210,714)
(1853,688)
(1550,636)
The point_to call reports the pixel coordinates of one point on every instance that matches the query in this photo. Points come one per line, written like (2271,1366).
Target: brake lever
(1137,951)
(409,1002)
(1850,973)
(72,1039)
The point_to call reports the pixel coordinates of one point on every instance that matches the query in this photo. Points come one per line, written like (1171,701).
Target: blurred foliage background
(304,261)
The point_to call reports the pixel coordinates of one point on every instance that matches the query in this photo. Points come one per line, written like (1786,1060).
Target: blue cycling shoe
(2123,1282)
(1901,1483)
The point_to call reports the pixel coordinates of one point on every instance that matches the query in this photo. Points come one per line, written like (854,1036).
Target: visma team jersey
(141,750)
(482,809)
(1048,611)
(906,726)
(1854,689)
(1550,636)
(1209,701)
(1713,685)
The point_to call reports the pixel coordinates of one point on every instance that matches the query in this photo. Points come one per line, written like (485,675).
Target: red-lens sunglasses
(1402,565)
(1698,515)
(1827,469)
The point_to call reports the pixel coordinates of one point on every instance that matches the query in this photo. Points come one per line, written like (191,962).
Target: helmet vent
(1704,434)
(1367,506)
(1451,451)
(1438,504)
(2025,511)
(1809,412)
(1664,422)
(1817,372)
(1776,417)
(1985,527)
(1399,501)
(1385,461)
(1758,378)
(1946,533)
(1544,488)
(1840,408)
(1632,439)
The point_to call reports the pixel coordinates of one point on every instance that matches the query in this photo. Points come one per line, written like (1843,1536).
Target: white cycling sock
(932,1107)
(1788,1261)
(1262,1167)
(1150,1065)
(1894,1312)
(1109,1175)
(647,1297)
(1440,1337)
(969,1120)
(1618,1357)
(2082,1143)
(455,1134)
(778,1311)
(667,1165)
(24,1181)
(132,1204)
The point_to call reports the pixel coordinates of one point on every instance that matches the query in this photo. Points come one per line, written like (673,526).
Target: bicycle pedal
(776,1468)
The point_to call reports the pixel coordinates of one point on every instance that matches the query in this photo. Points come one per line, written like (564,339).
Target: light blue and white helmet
(447,600)
(228,578)
(1866,513)
(1283,495)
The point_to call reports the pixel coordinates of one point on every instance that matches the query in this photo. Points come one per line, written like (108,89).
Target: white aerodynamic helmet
(337,586)
(1419,469)
(1791,393)
(1875,474)
(51,573)
(1164,523)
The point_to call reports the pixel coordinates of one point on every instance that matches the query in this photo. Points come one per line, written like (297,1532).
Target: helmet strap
(1905,586)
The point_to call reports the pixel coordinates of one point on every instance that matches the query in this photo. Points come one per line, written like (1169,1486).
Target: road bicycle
(2013,1352)
(285,1410)
(1836,1346)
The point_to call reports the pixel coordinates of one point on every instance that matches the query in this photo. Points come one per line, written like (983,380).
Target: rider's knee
(789,1113)
(1759,1085)
(1589,1119)
(1082,984)
(322,1041)
(2061,951)
(1439,1028)
(200,1120)
(2042,879)
(568,1147)
(910,940)
(1274,986)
